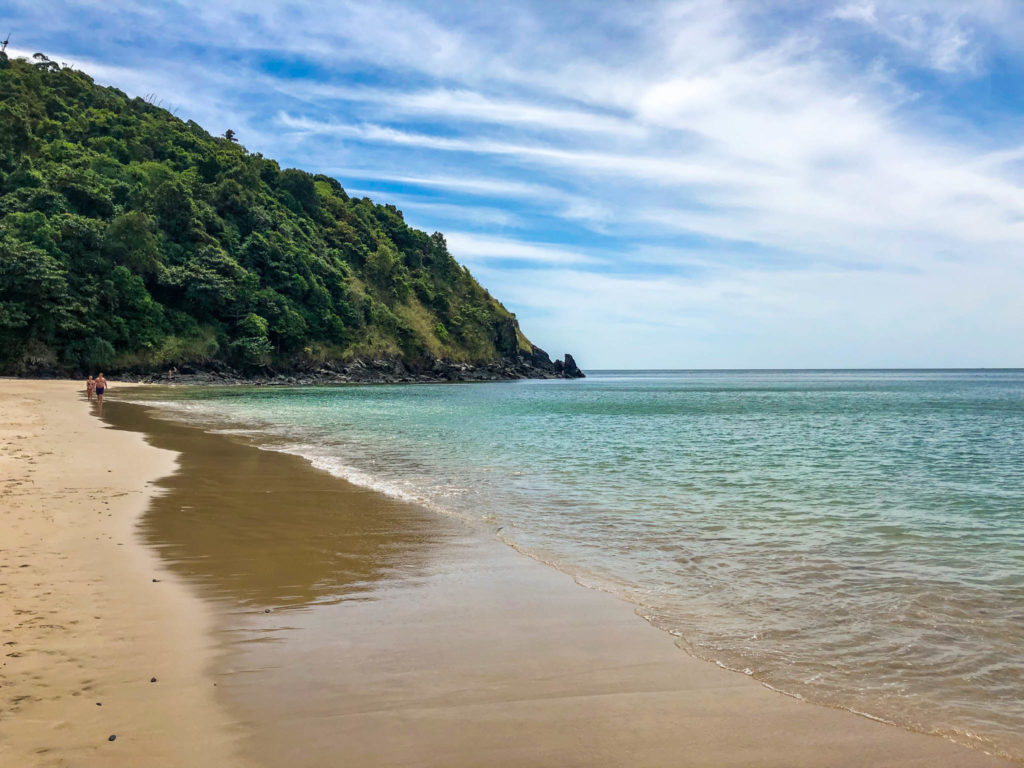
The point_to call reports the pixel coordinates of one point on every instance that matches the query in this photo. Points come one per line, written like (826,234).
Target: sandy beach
(339,626)
(83,625)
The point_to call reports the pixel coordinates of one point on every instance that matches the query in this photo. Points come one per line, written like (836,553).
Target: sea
(851,538)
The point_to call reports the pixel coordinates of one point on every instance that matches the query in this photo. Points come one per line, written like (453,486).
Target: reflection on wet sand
(263,529)
(406,639)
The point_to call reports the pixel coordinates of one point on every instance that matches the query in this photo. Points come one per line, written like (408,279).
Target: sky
(748,184)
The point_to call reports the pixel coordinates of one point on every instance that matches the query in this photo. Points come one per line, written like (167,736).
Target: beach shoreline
(89,616)
(336,621)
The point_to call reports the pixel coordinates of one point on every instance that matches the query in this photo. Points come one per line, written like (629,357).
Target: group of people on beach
(96,387)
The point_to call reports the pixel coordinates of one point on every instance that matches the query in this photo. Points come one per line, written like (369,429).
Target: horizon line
(797,370)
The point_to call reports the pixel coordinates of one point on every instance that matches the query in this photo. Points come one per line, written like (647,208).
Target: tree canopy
(133,240)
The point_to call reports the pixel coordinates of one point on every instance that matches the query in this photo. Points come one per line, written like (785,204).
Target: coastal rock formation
(570,369)
(383,370)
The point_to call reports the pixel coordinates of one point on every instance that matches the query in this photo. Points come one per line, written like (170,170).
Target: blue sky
(659,184)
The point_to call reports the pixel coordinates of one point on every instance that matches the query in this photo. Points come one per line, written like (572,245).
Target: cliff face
(135,242)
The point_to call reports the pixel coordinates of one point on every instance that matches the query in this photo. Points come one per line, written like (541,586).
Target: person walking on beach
(101,387)
(90,387)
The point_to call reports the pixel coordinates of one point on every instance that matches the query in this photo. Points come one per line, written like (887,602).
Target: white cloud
(940,35)
(468,184)
(645,167)
(957,315)
(421,212)
(469,247)
(462,104)
(823,179)
(862,11)
(591,212)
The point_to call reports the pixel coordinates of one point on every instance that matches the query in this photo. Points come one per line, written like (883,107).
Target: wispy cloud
(477,186)
(592,213)
(461,104)
(471,247)
(939,35)
(417,208)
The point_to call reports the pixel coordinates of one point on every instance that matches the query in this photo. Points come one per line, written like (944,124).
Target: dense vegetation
(133,240)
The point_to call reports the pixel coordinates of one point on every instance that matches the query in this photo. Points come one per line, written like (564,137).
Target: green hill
(133,241)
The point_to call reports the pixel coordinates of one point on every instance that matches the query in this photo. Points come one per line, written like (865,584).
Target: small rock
(266,610)
(152,679)
(155,580)
(113,737)
(99,703)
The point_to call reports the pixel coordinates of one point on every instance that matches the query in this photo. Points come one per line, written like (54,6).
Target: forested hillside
(133,241)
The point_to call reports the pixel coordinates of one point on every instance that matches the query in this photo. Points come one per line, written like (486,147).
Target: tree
(301,187)
(33,295)
(131,240)
(174,209)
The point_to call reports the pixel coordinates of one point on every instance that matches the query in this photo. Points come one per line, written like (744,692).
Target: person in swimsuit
(101,387)
(90,387)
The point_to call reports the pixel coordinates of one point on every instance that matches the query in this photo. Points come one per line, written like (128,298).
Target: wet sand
(353,629)
(83,626)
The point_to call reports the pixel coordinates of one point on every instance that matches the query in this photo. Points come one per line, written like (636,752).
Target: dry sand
(83,626)
(341,627)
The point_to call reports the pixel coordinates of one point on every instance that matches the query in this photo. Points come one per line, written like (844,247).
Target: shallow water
(853,538)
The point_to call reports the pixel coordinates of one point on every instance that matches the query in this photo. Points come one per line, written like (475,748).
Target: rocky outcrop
(384,370)
(506,337)
(569,368)
(538,360)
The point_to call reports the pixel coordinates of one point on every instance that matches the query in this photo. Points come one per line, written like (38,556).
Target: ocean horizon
(604,371)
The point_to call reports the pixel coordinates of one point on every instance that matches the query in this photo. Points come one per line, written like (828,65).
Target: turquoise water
(852,538)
